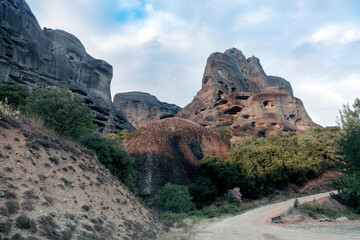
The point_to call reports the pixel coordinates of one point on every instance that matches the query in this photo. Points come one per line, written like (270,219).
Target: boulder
(32,56)
(169,150)
(237,91)
(141,108)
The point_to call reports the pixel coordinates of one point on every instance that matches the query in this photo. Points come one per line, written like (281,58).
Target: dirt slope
(52,189)
(256,225)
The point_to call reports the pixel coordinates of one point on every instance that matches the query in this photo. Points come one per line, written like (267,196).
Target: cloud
(161,46)
(340,33)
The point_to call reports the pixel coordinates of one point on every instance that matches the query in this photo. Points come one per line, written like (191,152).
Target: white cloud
(340,33)
(164,51)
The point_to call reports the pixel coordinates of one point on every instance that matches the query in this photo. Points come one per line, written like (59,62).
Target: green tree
(174,198)
(350,138)
(61,110)
(348,184)
(203,192)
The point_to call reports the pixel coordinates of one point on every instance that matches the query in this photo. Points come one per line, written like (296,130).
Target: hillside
(51,188)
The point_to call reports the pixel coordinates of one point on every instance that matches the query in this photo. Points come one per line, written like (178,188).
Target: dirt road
(256,225)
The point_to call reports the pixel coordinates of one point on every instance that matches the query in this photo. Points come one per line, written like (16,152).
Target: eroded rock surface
(169,150)
(142,108)
(237,90)
(32,56)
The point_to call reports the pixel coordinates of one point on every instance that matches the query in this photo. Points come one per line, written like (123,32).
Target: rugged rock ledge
(31,56)
(236,90)
(169,150)
(141,108)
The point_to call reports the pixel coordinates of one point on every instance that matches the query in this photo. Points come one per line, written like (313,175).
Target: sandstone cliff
(236,90)
(32,56)
(169,150)
(51,188)
(142,108)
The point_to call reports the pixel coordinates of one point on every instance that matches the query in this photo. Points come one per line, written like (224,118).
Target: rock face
(237,90)
(31,56)
(141,108)
(169,150)
(51,189)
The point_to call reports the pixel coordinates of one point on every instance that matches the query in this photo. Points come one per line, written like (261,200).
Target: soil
(51,188)
(256,225)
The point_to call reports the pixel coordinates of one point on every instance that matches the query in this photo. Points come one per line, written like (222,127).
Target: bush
(260,165)
(203,192)
(112,155)
(174,198)
(317,210)
(15,94)
(348,184)
(61,110)
(224,133)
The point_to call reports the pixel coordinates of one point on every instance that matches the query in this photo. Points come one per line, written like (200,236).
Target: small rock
(2,194)
(79,151)
(103,216)
(53,213)
(123,200)
(63,157)
(37,180)
(121,229)
(42,188)
(33,160)
(46,175)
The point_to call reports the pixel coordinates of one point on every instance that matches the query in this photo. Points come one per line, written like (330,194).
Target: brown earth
(50,188)
(169,150)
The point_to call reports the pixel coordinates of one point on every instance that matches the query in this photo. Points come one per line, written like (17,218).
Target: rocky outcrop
(31,56)
(169,150)
(237,91)
(51,189)
(142,108)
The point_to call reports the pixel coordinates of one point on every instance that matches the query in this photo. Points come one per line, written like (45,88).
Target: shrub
(61,110)
(317,210)
(224,133)
(174,198)
(6,110)
(203,191)
(24,222)
(233,195)
(112,155)
(15,94)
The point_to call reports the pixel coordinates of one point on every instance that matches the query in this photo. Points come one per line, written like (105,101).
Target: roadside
(256,224)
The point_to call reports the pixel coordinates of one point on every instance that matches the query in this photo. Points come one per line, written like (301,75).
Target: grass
(321,210)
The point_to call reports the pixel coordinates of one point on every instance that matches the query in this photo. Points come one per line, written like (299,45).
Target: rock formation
(236,90)
(169,150)
(51,189)
(31,56)
(142,108)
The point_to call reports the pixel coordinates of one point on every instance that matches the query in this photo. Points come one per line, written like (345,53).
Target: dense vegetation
(349,184)
(65,112)
(260,165)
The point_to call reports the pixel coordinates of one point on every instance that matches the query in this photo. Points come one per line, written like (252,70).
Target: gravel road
(256,225)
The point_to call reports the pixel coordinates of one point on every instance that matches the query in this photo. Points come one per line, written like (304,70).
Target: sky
(161,46)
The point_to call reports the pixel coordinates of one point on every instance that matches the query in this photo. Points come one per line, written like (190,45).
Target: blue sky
(161,46)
